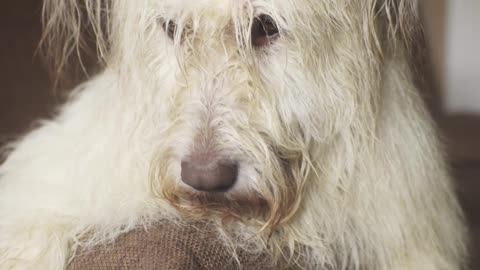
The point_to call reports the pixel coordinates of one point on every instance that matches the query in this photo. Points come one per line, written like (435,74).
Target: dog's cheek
(319,111)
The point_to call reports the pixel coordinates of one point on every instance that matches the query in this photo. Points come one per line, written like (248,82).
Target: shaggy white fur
(339,165)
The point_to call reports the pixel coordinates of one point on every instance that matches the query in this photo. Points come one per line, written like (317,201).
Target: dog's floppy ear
(72,29)
(391,21)
(402,17)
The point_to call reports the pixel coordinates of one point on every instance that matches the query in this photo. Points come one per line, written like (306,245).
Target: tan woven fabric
(166,247)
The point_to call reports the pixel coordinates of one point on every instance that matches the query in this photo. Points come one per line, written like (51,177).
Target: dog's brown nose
(218,178)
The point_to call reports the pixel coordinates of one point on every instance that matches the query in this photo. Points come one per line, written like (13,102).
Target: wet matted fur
(339,164)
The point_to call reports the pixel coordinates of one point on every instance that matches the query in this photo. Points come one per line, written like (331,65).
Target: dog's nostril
(218,178)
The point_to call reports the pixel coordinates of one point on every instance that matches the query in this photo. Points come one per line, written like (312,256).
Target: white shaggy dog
(292,126)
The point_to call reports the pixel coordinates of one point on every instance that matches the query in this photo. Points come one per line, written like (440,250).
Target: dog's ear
(402,17)
(391,22)
(73,31)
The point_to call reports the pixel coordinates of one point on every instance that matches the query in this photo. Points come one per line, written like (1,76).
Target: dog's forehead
(192,7)
(225,7)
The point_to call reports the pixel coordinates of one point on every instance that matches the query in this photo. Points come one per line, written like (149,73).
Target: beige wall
(463,57)
(453,32)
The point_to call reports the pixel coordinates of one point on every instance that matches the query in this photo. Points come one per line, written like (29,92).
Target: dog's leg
(63,179)
(35,213)
(28,244)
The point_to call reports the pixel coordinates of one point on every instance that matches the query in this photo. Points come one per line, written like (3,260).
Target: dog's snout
(217,178)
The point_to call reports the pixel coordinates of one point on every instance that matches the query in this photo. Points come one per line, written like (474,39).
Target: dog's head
(254,98)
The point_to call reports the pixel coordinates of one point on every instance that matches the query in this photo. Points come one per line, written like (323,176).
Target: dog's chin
(226,205)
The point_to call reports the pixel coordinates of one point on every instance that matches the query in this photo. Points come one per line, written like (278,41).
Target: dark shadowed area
(26,95)
(24,84)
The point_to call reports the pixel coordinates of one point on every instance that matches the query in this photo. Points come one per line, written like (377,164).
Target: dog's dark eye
(170,28)
(264,30)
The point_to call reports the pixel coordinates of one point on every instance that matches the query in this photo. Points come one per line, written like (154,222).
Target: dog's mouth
(228,205)
(267,210)
(267,195)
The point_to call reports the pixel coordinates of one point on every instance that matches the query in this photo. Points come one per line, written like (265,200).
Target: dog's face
(249,96)
(252,93)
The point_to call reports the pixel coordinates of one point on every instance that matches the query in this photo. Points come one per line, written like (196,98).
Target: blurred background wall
(463,57)
(452,29)
(24,84)
(454,32)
